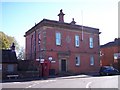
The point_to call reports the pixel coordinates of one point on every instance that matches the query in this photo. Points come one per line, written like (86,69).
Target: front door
(63,65)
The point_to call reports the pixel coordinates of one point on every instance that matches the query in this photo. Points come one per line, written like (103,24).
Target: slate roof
(53,23)
(8,56)
(116,42)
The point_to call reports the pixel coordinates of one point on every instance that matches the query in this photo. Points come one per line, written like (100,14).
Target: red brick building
(110,53)
(71,48)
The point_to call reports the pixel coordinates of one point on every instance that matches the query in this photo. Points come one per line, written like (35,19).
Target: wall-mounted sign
(50,58)
(68,39)
(53,61)
(37,59)
(42,60)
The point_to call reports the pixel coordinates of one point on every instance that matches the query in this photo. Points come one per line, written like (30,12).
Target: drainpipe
(35,43)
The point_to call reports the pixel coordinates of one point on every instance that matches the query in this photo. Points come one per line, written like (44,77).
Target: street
(80,81)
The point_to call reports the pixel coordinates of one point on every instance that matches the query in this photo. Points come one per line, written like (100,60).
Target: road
(68,82)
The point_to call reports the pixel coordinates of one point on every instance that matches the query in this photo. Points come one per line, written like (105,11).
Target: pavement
(52,77)
(80,76)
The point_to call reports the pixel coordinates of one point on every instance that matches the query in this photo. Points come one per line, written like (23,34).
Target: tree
(21,55)
(6,41)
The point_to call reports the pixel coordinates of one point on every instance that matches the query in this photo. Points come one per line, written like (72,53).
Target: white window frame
(77,41)
(58,38)
(77,60)
(91,42)
(91,60)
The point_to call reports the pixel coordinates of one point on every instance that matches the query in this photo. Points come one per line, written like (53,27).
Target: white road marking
(88,85)
(31,86)
(28,87)
(48,81)
(36,83)
(16,82)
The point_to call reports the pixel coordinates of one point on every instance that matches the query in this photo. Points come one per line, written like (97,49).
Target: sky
(19,16)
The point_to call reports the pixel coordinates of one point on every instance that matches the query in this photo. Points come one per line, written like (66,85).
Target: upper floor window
(91,60)
(39,38)
(77,41)
(32,42)
(58,38)
(91,42)
(77,60)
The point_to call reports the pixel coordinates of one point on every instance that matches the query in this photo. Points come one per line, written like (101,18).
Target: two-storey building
(70,47)
(110,54)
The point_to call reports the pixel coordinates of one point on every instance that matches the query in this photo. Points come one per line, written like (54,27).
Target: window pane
(10,68)
(58,38)
(39,38)
(91,42)
(77,60)
(91,60)
(77,41)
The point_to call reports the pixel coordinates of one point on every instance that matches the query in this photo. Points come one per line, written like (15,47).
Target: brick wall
(107,57)
(49,48)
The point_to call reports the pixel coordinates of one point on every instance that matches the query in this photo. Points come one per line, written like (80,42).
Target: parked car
(108,70)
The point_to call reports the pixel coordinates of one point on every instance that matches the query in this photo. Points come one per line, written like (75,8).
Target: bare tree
(21,54)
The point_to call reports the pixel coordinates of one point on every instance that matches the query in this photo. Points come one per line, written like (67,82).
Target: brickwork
(41,39)
(107,53)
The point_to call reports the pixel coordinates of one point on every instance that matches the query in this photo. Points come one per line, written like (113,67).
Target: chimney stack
(13,47)
(61,16)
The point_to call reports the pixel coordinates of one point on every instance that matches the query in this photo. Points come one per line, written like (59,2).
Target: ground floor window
(91,60)
(77,60)
(10,68)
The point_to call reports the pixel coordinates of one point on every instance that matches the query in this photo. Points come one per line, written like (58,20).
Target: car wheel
(107,74)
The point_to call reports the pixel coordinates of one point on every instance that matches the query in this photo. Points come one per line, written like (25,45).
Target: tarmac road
(79,81)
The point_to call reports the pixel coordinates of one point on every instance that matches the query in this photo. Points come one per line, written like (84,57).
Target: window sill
(58,45)
(77,46)
(91,48)
(77,65)
(91,65)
